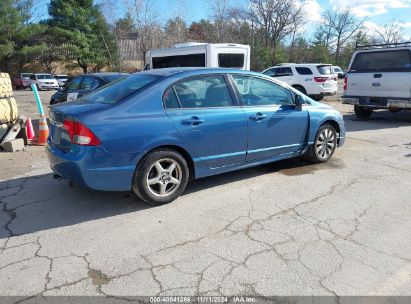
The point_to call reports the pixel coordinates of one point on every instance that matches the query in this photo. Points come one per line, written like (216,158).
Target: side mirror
(298,100)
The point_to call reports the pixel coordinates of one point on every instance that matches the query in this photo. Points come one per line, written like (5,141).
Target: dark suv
(78,86)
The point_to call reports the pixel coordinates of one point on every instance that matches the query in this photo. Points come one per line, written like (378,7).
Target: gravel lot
(289,228)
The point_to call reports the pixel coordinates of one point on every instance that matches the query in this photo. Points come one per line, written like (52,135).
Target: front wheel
(161,177)
(324,145)
(362,112)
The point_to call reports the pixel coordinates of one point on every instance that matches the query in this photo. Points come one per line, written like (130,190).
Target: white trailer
(213,55)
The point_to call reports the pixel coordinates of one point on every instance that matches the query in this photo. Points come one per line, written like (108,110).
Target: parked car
(44,81)
(337,70)
(314,80)
(155,130)
(379,77)
(22,81)
(195,54)
(78,86)
(61,79)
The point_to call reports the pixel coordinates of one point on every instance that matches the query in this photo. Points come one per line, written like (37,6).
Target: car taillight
(80,134)
(345,82)
(320,79)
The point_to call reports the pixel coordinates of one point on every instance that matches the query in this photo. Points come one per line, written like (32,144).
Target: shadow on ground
(378,120)
(40,202)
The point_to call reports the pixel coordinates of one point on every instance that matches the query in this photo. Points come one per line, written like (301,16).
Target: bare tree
(275,19)
(146,22)
(390,32)
(342,25)
(220,12)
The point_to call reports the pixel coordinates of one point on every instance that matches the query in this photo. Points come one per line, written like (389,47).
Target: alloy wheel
(325,144)
(164,177)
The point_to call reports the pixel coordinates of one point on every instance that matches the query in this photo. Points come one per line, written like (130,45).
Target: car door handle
(193,121)
(258,116)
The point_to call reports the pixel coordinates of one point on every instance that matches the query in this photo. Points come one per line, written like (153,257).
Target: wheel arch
(336,126)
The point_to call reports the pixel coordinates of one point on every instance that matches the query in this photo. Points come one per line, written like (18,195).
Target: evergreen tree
(20,40)
(80,25)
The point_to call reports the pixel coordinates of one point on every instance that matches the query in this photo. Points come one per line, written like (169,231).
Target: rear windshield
(382,61)
(324,69)
(25,75)
(111,78)
(231,60)
(118,90)
(61,76)
(45,77)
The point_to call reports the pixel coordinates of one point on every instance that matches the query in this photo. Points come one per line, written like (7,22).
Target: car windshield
(324,69)
(45,77)
(337,69)
(118,90)
(25,75)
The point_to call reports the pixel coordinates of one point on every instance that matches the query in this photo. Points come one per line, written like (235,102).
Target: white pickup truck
(379,77)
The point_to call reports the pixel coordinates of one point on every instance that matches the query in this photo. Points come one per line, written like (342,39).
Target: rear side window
(231,60)
(303,71)
(382,61)
(117,91)
(192,60)
(324,69)
(199,92)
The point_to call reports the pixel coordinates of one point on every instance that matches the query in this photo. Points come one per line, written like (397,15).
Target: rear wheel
(324,145)
(362,112)
(161,177)
(300,88)
(317,97)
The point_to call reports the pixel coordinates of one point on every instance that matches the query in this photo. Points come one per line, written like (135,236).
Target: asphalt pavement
(288,228)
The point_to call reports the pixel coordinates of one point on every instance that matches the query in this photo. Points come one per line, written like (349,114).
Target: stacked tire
(8,107)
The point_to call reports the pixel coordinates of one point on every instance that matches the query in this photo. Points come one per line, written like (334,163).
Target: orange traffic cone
(43,130)
(31,136)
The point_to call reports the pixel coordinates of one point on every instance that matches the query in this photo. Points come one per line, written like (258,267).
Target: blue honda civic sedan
(154,131)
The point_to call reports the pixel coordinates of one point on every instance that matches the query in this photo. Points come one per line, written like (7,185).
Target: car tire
(362,112)
(161,177)
(300,89)
(324,145)
(317,97)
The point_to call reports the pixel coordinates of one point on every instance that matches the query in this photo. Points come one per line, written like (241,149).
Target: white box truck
(193,54)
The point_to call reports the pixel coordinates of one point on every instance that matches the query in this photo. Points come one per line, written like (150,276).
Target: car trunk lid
(59,135)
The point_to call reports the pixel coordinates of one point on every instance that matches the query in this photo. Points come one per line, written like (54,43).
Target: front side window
(280,72)
(199,92)
(303,71)
(382,61)
(89,83)
(259,92)
(231,61)
(74,84)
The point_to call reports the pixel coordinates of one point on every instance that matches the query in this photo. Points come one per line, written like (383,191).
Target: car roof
(193,70)
(103,74)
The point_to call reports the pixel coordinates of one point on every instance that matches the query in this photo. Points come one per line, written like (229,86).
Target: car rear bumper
(378,102)
(84,168)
